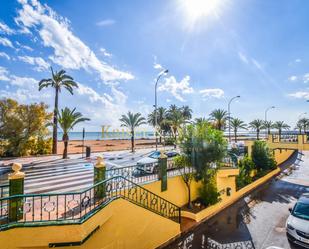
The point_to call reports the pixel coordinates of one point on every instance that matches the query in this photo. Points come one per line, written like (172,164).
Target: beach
(75,146)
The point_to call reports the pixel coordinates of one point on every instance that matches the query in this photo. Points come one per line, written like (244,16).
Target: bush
(169,141)
(262,157)
(23,128)
(209,193)
(246,166)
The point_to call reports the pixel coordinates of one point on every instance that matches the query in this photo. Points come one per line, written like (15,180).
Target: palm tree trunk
(235,135)
(132,140)
(257,134)
(65,139)
(55,122)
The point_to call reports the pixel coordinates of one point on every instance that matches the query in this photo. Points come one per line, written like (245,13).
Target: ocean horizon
(98,135)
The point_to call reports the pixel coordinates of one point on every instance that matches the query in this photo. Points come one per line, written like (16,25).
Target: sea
(107,135)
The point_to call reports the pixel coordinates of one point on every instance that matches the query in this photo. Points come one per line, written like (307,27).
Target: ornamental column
(99,176)
(16,187)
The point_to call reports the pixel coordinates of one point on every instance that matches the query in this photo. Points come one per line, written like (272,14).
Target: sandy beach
(75,146)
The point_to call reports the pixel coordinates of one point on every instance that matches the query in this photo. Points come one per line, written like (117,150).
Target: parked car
(297,225)
(149,164)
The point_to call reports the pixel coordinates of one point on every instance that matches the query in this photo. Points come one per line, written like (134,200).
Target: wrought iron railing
(4,190)
(285,138)
(66,208)
(142,173)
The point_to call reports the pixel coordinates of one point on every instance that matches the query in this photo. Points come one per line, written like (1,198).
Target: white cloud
(177,89)
(105,53)
(25,89)
(6,42)
(243,58)
(156,65)
(105,108)
(300,95)
(39,63)
(5,55)
(4,73)
(106,22)
(257,65)
(4,29)
(306,78)
(293,78)
(69,51)
(24,46)
(101,104)
(298,60)
(212,93)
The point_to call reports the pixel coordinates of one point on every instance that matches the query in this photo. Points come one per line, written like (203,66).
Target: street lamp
(229,112)
(155,106)
(266,111)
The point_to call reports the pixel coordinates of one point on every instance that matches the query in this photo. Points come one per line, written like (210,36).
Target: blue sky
(213,49)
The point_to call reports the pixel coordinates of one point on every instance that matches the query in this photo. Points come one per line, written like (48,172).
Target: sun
(197,9)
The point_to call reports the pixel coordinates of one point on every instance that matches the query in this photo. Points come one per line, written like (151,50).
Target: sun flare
(197,9)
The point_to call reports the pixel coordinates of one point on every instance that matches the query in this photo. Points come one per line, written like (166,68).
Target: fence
(76,207)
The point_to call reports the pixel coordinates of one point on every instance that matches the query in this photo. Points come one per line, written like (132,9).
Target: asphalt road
(257,221)
(74,174)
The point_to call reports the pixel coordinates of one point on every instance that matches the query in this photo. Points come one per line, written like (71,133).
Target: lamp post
(266,111)
(229,112)
(155,106)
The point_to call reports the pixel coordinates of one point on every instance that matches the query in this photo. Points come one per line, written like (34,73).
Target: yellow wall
(176,190)
(213,210)
(283,155)
(226,178)
(280,156)
(123,225)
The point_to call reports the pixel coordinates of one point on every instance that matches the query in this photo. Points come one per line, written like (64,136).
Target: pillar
(16,187)
(162,161)
(99,176)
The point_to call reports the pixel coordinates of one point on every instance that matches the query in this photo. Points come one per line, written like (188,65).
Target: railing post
(162,161)
(99,175)
(16,187)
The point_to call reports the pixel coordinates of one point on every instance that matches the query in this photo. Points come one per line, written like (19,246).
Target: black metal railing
(285,138)
(66,208)
(142,173)
(4,190)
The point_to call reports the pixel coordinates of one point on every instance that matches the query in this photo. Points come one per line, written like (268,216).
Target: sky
(214,50)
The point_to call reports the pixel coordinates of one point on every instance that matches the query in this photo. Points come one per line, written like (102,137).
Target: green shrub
(208,193)
(262,157)
(246,166)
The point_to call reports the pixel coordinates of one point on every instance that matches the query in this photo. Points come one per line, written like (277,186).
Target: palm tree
(175,119)
(257,125)
(304,122)
(186,112)
(299,127)
(280,125)
(236,124)
(200,120)
(161,118)
(131,121)
(268,125)
(57,81)
(219,117)
(67,120)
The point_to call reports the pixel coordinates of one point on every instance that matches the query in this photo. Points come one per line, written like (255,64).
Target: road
(257,221)
(74,174)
